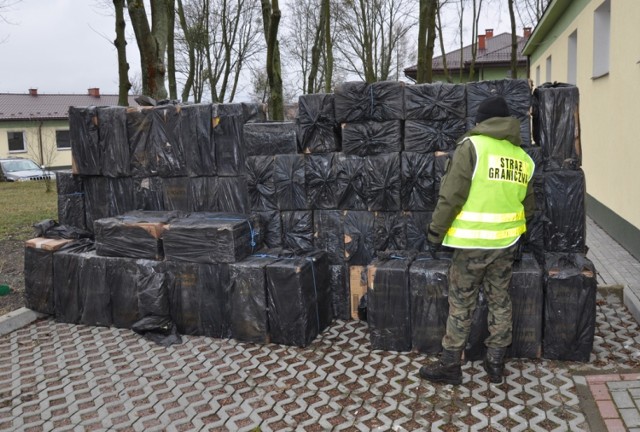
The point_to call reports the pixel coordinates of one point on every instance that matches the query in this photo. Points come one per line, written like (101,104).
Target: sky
(65,46)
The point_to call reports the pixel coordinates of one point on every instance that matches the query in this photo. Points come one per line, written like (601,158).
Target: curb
(17,319)
(632,302)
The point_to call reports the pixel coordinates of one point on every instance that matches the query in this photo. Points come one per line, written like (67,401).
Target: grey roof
(16,106)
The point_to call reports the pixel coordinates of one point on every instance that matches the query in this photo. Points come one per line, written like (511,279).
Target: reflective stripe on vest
(493,215)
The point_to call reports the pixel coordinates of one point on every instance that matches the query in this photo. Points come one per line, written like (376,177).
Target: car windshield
(19,165)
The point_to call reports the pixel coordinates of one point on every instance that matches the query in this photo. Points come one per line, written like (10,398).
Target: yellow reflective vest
(493,215)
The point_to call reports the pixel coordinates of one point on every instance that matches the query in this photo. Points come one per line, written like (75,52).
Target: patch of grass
(21,205)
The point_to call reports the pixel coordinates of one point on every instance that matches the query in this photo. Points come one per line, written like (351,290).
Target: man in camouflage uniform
(484,200)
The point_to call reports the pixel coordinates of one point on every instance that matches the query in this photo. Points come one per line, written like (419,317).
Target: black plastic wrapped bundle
(534,236)
(297,230)
(526,290)
(556,124)
(417,224)
(271,224)
(199,147)
(437,101)
(148,193)
(516,92)
(122,277)
(233,195)
(112,132)
(38,280)
(372,137)
(390,231)
(68,183)
(248,299)
(329,234)
(351,182)
(441,159)
(535,153)
(71,210)
(339,284)
(357,101)
(359,237)
(253,112)
(260,182)
(107,197)
(418,182)
(429,285)
(228,121)
(289,180)
(569,307)
(321,178)
(270,138)
(94,286)
(203,194)
(425,136)
(85,140)
(539,190)
(316,123)
(176,191)
(565,214)
(383,182)
(322,287)
(210,238)
(388,303)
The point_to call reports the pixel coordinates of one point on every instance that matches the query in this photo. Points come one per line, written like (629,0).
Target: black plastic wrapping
(359,237)
(527,298)
(425,136)
(390,231)
(228,121)
(106,197)
(417,224)
(271,224)
(569,307)
(321,285)
(329,234)
(556,124)
(38,280)
(565,214)
(48,228)
(388,304)
(441,159)
(533,238)
(372,137)
(383,180)
(84,140)
(516,92)
(339,284)
(358,101)
(535,153)
(71,210)
(248,299)
(270,138)
(68,183)
(148,193)
(321,179)
(253,112)
(316,123)
(260,183)
(437,101)
(122,277)
(289,181)
(112,132)
(199,147)
(297,230)
(210,238)
(176,192)
(418,182)
(350,182)
(429,285)
(233,195)
(203,194)
(94,286)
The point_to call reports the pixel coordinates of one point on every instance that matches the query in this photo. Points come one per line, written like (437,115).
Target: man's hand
(433,242)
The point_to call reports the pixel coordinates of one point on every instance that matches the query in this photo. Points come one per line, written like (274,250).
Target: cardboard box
(357,287)
(47,243)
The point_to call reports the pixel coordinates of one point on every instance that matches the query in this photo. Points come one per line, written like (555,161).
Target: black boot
(494,364)
(446,370)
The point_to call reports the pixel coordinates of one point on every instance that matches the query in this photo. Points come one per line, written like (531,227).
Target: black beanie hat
(493,106)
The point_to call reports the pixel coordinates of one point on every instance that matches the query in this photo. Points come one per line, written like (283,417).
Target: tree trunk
(191,52)
(444,55)
(477,5)
(171,58)
(328,47)
(514,42)
(121,47)
(431,39)
(422,42)
(316,51)
(271,20)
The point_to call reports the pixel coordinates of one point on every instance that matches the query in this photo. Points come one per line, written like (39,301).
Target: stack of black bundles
(516,92)
(107,197)
(316,124)
(429,285)
(135,234)
(359,237)
(260,183)
(383,182)
(228,122)
(418,181)
(233,194)
(435,117)
(390,231)
(340,290)
(270,138)
(351,182)
(290,182)
(569,307)
(328,234)
(271,224)
(210,238)
(527,294)
(372,137)
(203,194)
(417,223)
(199,148)
(38,274)
(148,193)
(84,140)
(297,230)
(175,192)
(565,213)
(112,132)
(321,178)
(71,210)
(388,301)
(123,277)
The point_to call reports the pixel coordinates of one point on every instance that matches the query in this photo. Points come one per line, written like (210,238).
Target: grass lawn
(22,204)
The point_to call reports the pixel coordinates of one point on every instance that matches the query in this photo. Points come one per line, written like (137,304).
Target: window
(538,75)
(62,139)
(601,39)
(572,61)
(16,141)
(548,73)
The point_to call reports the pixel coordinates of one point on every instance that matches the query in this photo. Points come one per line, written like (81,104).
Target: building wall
(482,74)
(608,110)
(33,130)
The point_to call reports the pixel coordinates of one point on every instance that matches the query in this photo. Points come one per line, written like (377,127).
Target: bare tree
(514,42)
(44,155)
(271,21)
(120,42)
(530,11)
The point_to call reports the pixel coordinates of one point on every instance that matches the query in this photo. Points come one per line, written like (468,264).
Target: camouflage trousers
(470,269)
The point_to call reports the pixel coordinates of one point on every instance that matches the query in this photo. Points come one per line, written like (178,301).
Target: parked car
(20,169)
